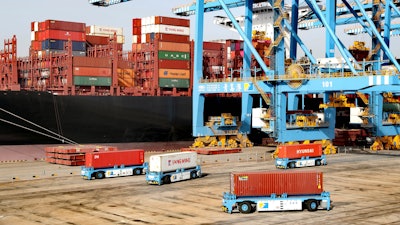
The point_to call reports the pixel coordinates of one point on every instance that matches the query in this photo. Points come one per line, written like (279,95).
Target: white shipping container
(36,26)
(166,29)
(98,30)
(33,36)
(172,161)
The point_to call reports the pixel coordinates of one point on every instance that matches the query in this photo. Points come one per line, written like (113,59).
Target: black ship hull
(93,119)
(101,119)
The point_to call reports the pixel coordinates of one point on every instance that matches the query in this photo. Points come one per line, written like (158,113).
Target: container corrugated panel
(173,55)
(136,22)
(92,81)
(114,158)
(168,37)
(171,83)
(91,71)
(61,35)
(92,62)
(265,183)
(174,64)
(296,151)
(172,161)
(174,74)
(171,21)
(165,29)
(64,25)
(36,45)
(126,77)
(173,46)
(52,44)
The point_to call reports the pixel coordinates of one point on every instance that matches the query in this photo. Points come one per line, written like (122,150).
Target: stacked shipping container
(51,36)
(161,50)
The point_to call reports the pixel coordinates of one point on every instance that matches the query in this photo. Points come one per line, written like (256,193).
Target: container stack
(161,48)
(51,36)
(90,71)
(73,155)
(100,35)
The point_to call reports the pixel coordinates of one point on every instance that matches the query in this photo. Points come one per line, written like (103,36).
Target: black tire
(137,171)
(167,180)
(318,162)
(245,207)
(99,175)
(291,165)
(193,174)
(312,205)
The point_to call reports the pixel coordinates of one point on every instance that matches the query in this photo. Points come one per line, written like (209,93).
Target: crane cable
(55,135)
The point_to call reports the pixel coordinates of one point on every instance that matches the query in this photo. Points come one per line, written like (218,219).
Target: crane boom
(105,3)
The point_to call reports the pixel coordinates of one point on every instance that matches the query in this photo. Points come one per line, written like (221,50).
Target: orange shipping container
(174,74)
(173,46)
(92,71)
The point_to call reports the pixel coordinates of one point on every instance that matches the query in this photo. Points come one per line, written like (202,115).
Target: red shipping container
(172,38)
(213,46)
(61,35)
(296,151)
(64,25)
(97,40)
(265,183)
(173,64)
(36,45)
(114,158)
(136,22)
(172,21)
(136,30)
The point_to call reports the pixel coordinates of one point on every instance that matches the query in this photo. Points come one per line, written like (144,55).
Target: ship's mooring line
(60,138)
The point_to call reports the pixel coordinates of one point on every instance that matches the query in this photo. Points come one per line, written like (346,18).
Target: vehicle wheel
(167,180)
(312,205)
(193,174)
(99,175)
(137,171)
(318,162)
(292,165)
(245,207)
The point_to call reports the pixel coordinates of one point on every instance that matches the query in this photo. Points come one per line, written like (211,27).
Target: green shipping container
(92,81)
(170,83)
(173,55)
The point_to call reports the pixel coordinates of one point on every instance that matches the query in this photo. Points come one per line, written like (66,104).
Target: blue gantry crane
(278,99)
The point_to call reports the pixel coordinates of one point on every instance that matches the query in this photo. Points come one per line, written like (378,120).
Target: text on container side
(178,161)
(302,151)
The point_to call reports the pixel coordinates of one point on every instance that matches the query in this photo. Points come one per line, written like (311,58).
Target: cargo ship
(78,85)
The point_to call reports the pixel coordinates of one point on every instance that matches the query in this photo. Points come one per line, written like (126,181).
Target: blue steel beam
(313,5)
(197,98)
(379,38)
(298,40)
(246,40)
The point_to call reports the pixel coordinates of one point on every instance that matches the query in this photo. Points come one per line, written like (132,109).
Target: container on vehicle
(299,150)
(266,183)
(172,161)
(114,158)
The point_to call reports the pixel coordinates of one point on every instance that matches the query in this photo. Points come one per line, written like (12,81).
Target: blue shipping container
(59,45)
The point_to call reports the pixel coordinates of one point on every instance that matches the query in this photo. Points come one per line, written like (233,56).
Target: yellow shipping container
(174,73)
(126,77)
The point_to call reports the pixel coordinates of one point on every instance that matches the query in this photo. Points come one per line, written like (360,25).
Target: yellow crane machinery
(337,100)
(226,134)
